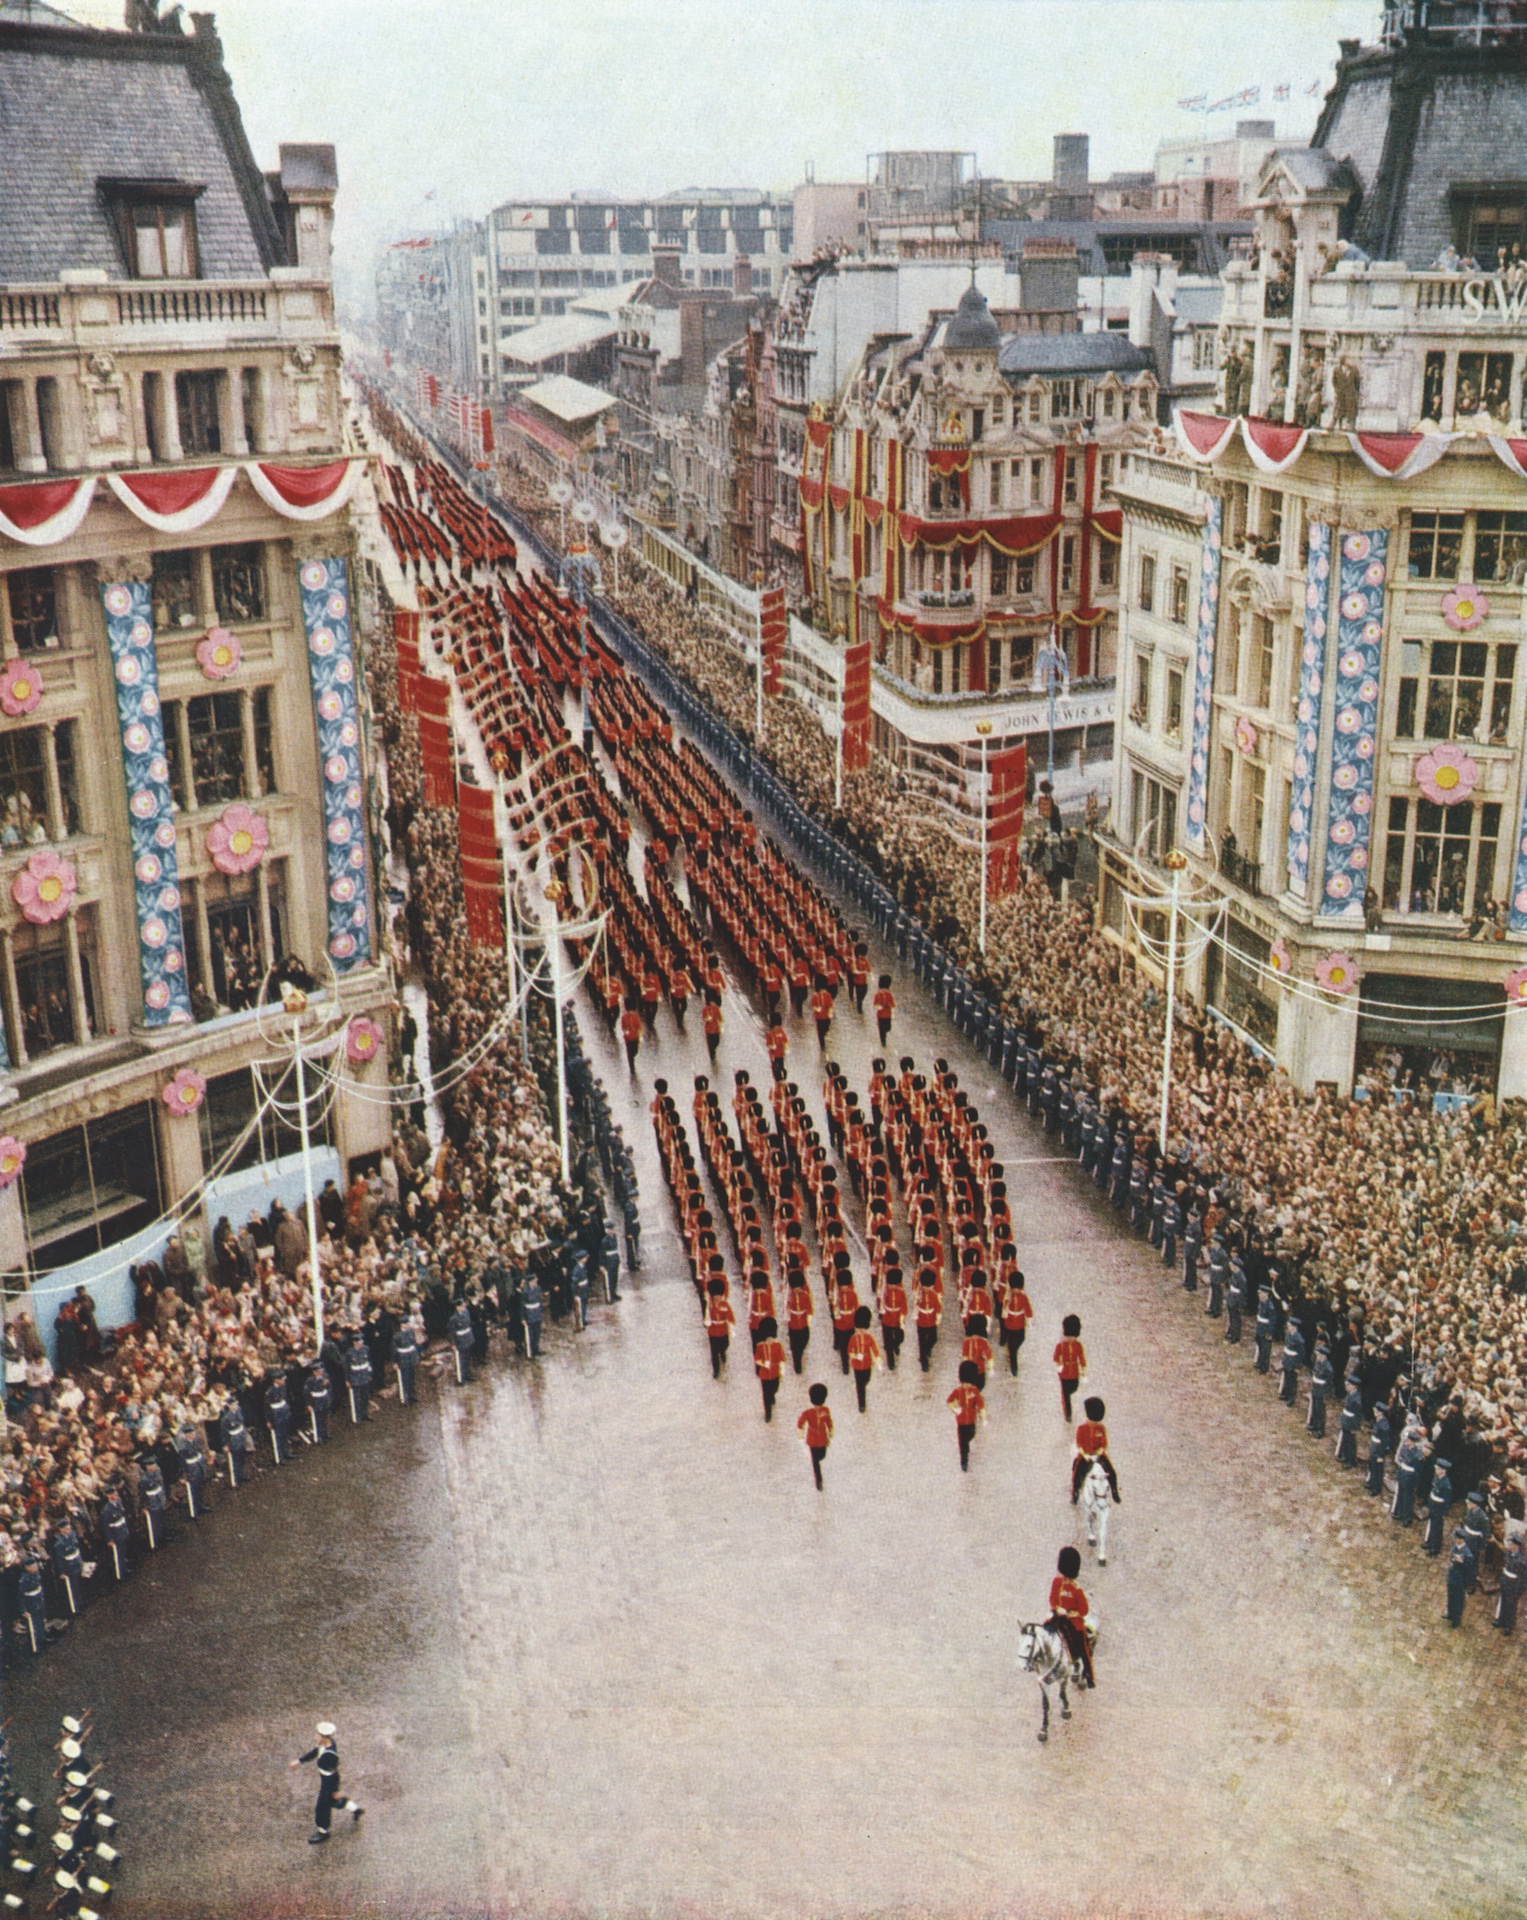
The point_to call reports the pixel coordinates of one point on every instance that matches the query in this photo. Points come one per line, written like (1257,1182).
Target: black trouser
(965,1435)
(1075,1638)
(718,1344)
(770,1390)
(893,1339)
(1079,1470)
(1067,1392)
(818,1455)
(840,1337)
(1012,1339)
(926,1337)
(861,1386)
(798,1338)
(885,1030)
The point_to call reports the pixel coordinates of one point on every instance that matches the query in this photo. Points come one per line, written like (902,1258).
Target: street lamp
(1175,863)
(983,728)
(561,492)
(308,1025)
(615,537)
(579,562)
(1054,670)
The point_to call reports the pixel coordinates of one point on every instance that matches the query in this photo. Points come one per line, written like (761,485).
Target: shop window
(173,589)
(34,608)
(238,583)
(1020,658)
(1484,386)
(999,571)
(91,1187)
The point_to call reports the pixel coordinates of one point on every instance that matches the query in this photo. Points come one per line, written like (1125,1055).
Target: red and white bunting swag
(1510,453)
(175,499)
(1273,447)
(1202,436)
(1400,456)
(40,515)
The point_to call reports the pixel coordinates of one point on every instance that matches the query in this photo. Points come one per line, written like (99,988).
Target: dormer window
(156,226)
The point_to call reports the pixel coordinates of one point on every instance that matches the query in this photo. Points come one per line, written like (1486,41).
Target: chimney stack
(742,277)
(665,264)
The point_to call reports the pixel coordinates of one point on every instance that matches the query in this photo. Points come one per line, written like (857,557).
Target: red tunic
(1070,1359)
(1092,1437)
(863,1351)
(816,1424)
(1067,1597)
(967,1403)
(769,1359)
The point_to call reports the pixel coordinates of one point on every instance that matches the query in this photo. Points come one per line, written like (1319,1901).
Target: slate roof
(1023,353)
(78,106)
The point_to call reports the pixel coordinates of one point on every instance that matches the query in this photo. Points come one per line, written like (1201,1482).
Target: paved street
(596,1646)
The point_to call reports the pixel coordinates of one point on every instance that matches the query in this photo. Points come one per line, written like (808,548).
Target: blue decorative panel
(1203,676)
(1312,669)
(150,810)
(1354,733)
(331,666)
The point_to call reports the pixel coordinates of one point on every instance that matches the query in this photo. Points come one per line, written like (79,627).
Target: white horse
(1043,1652)
(1097,1498)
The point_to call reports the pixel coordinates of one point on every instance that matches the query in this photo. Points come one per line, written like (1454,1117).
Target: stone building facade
(183,776)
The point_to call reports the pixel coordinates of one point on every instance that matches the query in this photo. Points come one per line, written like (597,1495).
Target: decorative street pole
(983,728)
(1056,671)
(561,492)
(1175,862)
(555,893)
(295,1002)
(840,634)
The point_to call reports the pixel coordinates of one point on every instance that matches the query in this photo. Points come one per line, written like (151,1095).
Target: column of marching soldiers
(70,1871)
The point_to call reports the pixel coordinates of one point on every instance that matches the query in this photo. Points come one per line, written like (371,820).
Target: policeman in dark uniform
(1267,1316)
(327,1756)
(278,1416)
(405,1360)
(1460,1576)
(152,1498)
(1513,1577)
(1291,1361)
(1235,1300)
(1349,1426)
(1438,1499)
(1322,1379)
(233,1441)
(115,1531)
(459,1332)
(69,1564)
(358,1378)
(33,1603)
(1378,1450)
(192,1449)
(1407,1463)
(320,1397)
(1476,1530)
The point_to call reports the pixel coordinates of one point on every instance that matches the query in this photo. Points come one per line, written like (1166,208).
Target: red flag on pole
(771,630)
(1009,773)
(856,706)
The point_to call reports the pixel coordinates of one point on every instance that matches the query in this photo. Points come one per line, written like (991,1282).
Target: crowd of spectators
(182,1393)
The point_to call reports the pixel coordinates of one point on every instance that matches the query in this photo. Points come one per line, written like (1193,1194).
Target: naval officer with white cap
(327,1756)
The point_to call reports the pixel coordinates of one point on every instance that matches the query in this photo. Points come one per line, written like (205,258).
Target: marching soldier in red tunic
(768,1362)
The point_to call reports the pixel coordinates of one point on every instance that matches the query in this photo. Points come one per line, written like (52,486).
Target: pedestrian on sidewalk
(1070,1359)
(327,1756)
(969,1407)
(768,1363)
(815,1425)
(863,1354)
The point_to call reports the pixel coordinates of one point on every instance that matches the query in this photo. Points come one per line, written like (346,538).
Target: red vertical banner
(856,508)
(890,520)
(1008,772)
(771,634)
(856,706)
(435,743)
(487,433)
(405,634)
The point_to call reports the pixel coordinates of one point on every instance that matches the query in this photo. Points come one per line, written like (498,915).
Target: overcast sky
(481,101)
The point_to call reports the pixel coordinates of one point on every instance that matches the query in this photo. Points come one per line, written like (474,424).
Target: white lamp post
(1176,860)
(983,729)
(561,492)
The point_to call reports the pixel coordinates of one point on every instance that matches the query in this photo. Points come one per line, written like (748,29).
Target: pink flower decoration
(1336,973)
(1464,607)
(237,839)
(1515,984)
(20,688)
(1446,775)
(44,887)
(1246,734)
(185,1093)
(13,1157)
(1282,960)
(219,652)
(363,1040)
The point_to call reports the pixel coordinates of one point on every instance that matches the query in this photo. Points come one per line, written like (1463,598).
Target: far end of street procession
(654,847)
